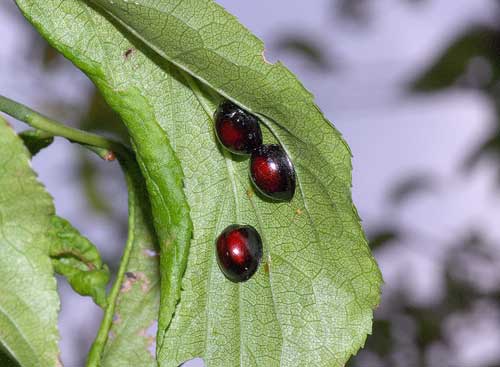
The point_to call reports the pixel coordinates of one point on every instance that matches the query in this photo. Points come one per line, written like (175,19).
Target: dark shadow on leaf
(6,360)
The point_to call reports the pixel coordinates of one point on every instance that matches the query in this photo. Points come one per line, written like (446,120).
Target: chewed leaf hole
(195,362)
(265,58)
(133,277)
(150,334)
(150,253)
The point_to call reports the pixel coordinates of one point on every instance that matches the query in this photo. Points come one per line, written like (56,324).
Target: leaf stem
(94,357)
(102,146)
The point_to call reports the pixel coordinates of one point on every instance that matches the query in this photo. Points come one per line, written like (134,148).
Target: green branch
(94,357)
(104,147)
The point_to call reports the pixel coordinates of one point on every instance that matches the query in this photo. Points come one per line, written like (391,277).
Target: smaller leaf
(478,42)
(36,140)
(76,258)
(488,149)
(411,186)
(382,237)
(307,48)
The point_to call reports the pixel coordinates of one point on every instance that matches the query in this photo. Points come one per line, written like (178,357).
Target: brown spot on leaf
(267,264)
(129,274)
(133,277)
(299,211)
(150,253)
(126,286)
(128,53)
(129,281)
(250,193)
(150,334)
(169,241)
(145,282)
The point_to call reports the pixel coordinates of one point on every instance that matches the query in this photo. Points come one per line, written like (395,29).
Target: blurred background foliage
(407,332)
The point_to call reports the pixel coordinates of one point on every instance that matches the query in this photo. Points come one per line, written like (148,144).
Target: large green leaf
(131,339)
(28,297)
(311,302)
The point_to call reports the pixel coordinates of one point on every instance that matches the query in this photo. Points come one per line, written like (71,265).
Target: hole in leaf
(195,362)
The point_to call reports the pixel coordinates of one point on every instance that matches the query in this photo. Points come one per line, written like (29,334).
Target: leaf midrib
(230,173)
(261,230)
(233,178)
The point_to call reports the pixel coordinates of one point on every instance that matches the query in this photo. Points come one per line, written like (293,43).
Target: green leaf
(159,165)
(476,42)
(311,301)
(131,338)
(28,298)
(76,258)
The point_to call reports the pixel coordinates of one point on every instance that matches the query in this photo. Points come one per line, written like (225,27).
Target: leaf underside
(131,340)
(28,298)
(311,301)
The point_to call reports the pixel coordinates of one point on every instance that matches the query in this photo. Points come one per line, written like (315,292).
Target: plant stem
(99,144)
(94,357)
